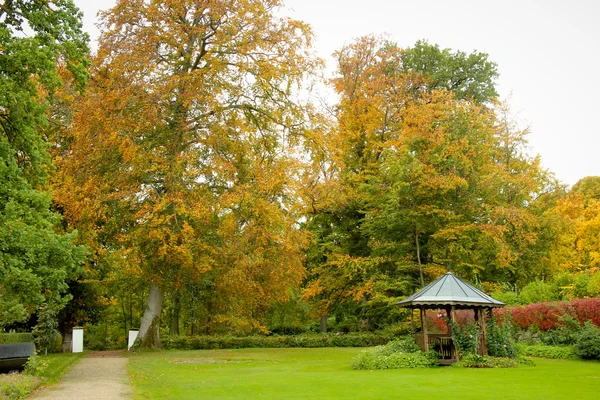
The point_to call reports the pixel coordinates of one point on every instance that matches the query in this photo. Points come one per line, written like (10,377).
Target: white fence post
(133,334)
(77,340)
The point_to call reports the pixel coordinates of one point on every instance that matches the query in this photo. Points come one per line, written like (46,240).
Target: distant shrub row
(358,339)
(551,315)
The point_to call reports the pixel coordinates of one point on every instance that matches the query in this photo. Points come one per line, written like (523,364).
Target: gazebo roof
(450,290)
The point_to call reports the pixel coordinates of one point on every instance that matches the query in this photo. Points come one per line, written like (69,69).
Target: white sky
(547,51)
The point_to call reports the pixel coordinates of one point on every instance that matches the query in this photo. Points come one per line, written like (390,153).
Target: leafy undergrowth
(402,353)
(41,370)
(17,385)
(478,361)
(545,351)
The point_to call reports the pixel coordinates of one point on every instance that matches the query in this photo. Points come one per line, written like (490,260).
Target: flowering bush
(16,386)
(500,342)
(465,337)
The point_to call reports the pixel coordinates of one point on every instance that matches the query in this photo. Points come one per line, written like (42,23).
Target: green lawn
(326,374)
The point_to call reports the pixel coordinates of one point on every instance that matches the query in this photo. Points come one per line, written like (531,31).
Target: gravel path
(100,375)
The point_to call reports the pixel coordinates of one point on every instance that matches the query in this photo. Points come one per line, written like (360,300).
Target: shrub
(563,335)
(544,351)
(16,386)
(538,292)
(466,337)
(45,331)
(547,316)
(593,287)
(499,340)
(366,339)
(400,353)
(403,345)
(374,359)
(508,298)
(35,366)
(588,342)
(477,361)
(587,310)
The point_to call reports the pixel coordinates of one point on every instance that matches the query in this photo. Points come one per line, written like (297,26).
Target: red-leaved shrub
(550,315)
(545,316)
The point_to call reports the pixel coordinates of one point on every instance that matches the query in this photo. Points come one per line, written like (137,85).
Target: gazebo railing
(440,342)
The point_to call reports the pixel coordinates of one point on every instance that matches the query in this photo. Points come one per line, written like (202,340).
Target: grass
(17,386)
(325,374)
(58,364)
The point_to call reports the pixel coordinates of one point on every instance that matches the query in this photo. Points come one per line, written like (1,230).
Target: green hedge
(545,351)
(276,341)
(7,338)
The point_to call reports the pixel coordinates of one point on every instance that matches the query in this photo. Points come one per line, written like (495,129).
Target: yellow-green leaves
(183,158)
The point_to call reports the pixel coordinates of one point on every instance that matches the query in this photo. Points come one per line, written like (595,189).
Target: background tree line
(183,180)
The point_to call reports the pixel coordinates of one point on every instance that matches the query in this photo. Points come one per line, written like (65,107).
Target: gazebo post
(424,326)
(476,316)
(448,319)
(454,348)
(412,321)
(483,346)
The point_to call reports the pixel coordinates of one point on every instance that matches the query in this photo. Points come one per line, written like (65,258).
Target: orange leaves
(341,278)
(186,148)
(580,210)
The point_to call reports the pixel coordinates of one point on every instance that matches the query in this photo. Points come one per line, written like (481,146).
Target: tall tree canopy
(427,177)
(468,76)
(36,38)
(184,157)
(579,211)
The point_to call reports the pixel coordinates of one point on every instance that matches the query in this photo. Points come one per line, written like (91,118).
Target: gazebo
(449,293)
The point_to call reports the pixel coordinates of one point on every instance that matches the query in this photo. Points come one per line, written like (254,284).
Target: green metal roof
(450,290)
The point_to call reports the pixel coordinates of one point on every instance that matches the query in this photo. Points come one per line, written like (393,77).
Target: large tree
(185,153)
(37,38)
(427,175)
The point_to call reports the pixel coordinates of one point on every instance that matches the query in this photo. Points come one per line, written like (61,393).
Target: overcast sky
(547,51)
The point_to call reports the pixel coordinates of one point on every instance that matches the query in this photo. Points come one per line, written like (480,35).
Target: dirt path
(100,375)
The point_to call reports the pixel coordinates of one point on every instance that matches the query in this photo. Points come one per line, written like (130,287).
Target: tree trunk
(67,340)
(419,255)
(149,333)
(323,324)
(175,313)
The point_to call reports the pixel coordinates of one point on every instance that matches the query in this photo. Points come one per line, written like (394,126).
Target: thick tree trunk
(419,255)
(323,324)
(67,340)
(149,328)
